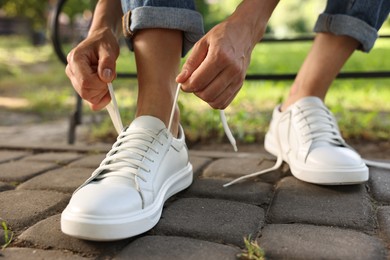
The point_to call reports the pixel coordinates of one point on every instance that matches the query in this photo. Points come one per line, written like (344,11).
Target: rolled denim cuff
(340,24)
(146,17)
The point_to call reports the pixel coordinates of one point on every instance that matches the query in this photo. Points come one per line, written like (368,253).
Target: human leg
(159,38)
(303,132)
(343,27)
(324,61)
(157,53)
(124,196)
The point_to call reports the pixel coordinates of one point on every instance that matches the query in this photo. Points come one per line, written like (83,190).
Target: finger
(106,66)
(215,62)
(104,101)
(217,86)
(83,65)
(197,56)
(224,100)
(95,94)
(231,76)
(82,70)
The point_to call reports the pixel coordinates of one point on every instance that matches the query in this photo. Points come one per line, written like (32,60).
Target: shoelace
(225,125)
(127,154)
(324,130)
(318,128)
(113,111)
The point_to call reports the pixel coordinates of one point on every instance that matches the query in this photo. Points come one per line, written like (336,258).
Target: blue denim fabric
(359,19)
(168,14)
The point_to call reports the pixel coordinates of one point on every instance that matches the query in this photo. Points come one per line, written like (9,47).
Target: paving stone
(198,163)
(64,179)
(230,168)
(380,184)
(19,171)
(5,186)
(12,155)
(89,161)
(32,253)
(344,206)
(58,158)
(47,234)
(22,208)
(257,193)
(170,247)
(383,215)
(296,241)
(214,220)
(228,153)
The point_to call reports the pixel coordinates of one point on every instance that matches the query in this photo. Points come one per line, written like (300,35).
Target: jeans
(359,19)
(168,14)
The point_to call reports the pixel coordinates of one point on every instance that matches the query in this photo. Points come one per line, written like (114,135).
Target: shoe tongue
(309,100)
(315,102)
(147,122)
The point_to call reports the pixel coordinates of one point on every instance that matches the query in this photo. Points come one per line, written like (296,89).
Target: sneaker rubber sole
(323,176)
(124,226)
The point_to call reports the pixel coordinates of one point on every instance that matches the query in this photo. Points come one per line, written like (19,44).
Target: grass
(252,250)
(361,105)
(8,234)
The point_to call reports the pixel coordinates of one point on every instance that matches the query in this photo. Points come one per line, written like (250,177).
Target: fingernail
(107,74)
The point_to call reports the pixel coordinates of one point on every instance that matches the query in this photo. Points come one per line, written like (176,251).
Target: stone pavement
(290,219)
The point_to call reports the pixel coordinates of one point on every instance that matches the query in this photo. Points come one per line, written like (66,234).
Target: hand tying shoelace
(113,111)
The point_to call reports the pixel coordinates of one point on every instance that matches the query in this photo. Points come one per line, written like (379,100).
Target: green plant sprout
(252,250)
(8,235)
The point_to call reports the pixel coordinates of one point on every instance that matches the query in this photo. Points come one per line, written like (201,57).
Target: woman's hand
(216,67)
(91,65)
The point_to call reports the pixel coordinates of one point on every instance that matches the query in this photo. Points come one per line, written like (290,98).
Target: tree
(34,11)
(37,11)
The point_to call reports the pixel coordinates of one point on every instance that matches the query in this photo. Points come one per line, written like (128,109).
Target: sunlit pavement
(290,219)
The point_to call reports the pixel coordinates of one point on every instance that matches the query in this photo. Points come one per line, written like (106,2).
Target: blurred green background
(33,82)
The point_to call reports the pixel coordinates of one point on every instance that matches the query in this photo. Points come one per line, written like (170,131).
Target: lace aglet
(229,184)
(227,130)
(235,146)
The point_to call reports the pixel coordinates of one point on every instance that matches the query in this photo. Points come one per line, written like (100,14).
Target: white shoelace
(315,129)
(226,128)
(324,130)
(113,110)
(127,154)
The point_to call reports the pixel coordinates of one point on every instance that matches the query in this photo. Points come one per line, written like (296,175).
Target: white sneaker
(306,136)
(124,197)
